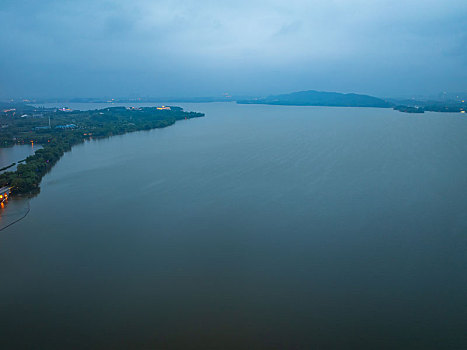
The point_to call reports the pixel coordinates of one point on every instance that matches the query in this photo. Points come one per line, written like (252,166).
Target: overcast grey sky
(91,48)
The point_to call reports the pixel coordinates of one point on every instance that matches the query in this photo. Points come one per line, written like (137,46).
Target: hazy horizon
(56,49)
(305,221)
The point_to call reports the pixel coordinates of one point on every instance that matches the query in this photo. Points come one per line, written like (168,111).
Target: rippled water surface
(254,227)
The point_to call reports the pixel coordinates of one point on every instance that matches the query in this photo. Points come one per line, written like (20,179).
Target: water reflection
(13,210)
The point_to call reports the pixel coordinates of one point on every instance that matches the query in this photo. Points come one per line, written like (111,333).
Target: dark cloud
(187,47)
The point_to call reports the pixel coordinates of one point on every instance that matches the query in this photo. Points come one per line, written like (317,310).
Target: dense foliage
(56,141)
(409,109)
(452,107)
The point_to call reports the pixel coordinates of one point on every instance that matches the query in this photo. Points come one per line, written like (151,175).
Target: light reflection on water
(12,210)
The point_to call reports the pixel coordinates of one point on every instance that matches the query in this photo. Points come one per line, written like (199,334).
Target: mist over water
(254,227)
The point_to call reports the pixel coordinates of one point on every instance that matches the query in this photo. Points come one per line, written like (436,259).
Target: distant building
(67,126)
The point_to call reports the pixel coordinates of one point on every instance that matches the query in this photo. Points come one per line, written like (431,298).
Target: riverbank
(66,129)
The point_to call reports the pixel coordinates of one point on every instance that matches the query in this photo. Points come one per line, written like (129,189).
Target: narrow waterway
(15,154)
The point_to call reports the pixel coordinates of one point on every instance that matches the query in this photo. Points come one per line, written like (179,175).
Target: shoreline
(94,125)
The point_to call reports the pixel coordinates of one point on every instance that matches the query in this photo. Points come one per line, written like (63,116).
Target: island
(57,130)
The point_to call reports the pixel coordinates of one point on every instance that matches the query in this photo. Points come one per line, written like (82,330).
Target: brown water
(254,227)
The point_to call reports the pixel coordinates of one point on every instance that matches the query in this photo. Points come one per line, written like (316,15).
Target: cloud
(163,47)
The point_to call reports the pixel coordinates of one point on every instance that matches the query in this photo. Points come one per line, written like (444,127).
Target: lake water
(256,227)
(16,153)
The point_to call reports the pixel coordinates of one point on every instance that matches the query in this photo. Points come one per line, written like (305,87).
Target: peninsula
(336,99)
(321,98)
(57,130)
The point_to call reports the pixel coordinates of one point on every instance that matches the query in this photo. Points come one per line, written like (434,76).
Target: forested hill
(321,98)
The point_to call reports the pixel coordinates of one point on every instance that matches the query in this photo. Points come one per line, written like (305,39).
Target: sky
(188,48)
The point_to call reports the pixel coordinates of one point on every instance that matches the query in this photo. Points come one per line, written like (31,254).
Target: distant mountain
(321,98)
